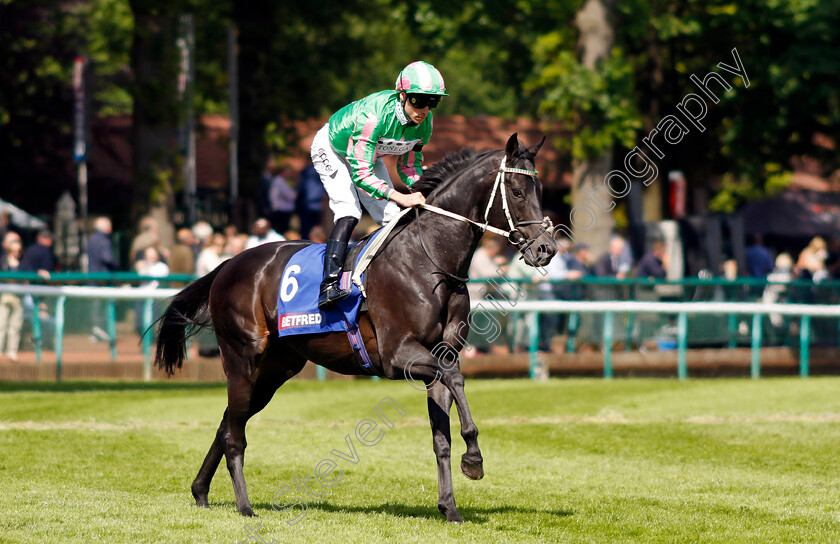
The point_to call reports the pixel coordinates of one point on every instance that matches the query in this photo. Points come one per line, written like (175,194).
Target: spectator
(610,263)
(487,259)
(759,260)
(310,194)
(730,269)
(654,263)
(211,256)
(530,284)
(557,272)
(262,233)
(149,265)
(486,262)
(181,257)
(261,198)
(6,227)
(39,256)
(281,198)
(292,234)
(99,248)
(581,261)
(578,265)
(11,308)
(100,256)
(235,246)
(149,236)
(564,266)
(625,260)
(202,231)
(811,262)
(782,273)
(230,231)
(317,234)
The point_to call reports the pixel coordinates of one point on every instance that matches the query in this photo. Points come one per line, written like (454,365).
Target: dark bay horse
(422,260)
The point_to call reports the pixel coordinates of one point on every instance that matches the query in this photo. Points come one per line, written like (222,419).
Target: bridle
(499,186)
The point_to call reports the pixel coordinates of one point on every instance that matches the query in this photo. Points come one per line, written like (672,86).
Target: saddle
(297,298)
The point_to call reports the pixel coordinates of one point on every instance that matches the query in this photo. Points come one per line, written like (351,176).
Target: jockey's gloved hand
(407,200)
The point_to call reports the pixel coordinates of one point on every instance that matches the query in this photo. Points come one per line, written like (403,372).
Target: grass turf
(565,461)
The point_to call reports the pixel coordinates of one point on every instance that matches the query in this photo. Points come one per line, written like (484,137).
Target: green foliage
(499,58)
(736,190)
(108,26)
(596,105)
(37,47)
(788,48)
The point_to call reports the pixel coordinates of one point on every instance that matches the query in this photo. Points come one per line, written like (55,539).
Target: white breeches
(346,200)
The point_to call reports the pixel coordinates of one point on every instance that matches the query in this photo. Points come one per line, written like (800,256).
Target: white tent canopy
(20,218)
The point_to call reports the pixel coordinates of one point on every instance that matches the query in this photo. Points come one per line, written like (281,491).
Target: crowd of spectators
(291,210)
(508,278)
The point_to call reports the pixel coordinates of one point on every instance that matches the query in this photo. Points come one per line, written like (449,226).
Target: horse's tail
(185,316)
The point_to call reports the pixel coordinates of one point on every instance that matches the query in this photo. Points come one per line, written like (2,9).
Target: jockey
(347,155)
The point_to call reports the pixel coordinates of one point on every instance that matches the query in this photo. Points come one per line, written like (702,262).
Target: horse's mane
(447,167)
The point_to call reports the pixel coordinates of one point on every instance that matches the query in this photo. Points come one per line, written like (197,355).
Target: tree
(289,55)
(157,112)
(788,49)
(591,93)
(37,47)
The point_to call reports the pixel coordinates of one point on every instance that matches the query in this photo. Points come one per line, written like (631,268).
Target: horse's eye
(517,193)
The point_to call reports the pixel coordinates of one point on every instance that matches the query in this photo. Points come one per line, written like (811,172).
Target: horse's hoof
(472,470)
(456,519)
(247,511)
(200,495)
(201,499)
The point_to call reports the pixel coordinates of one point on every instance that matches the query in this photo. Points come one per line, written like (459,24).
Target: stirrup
(330,294)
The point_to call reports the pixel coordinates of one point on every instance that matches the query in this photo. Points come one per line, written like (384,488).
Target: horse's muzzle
(536,251)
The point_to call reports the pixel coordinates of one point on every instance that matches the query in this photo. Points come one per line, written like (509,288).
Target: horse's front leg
(455,334)
(440,402)
(472,464)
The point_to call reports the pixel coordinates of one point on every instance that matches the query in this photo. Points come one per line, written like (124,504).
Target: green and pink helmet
(421,78)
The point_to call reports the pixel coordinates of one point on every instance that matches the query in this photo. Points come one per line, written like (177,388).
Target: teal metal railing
(609,322)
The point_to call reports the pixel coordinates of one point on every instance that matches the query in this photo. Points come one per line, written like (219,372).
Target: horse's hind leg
(272,375)
(201,485)
(246,399)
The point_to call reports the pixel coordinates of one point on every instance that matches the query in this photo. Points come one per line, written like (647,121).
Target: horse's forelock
(524,154)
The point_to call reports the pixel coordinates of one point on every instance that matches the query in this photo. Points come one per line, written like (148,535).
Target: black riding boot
(334,262)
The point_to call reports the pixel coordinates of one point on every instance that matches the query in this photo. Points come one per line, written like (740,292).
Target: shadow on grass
(80,386)
(469,514)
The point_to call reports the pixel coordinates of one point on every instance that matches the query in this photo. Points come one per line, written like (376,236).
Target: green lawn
(565,461)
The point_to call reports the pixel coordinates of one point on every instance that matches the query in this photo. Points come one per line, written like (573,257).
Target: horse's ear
(512,146)
(536,147)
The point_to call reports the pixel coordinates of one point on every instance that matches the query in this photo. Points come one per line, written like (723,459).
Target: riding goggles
(420,101)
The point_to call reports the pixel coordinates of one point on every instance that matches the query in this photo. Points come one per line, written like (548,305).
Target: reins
(369,252)
(450,276)
(498,186)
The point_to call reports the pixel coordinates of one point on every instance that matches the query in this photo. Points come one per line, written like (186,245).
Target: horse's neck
(465,196)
